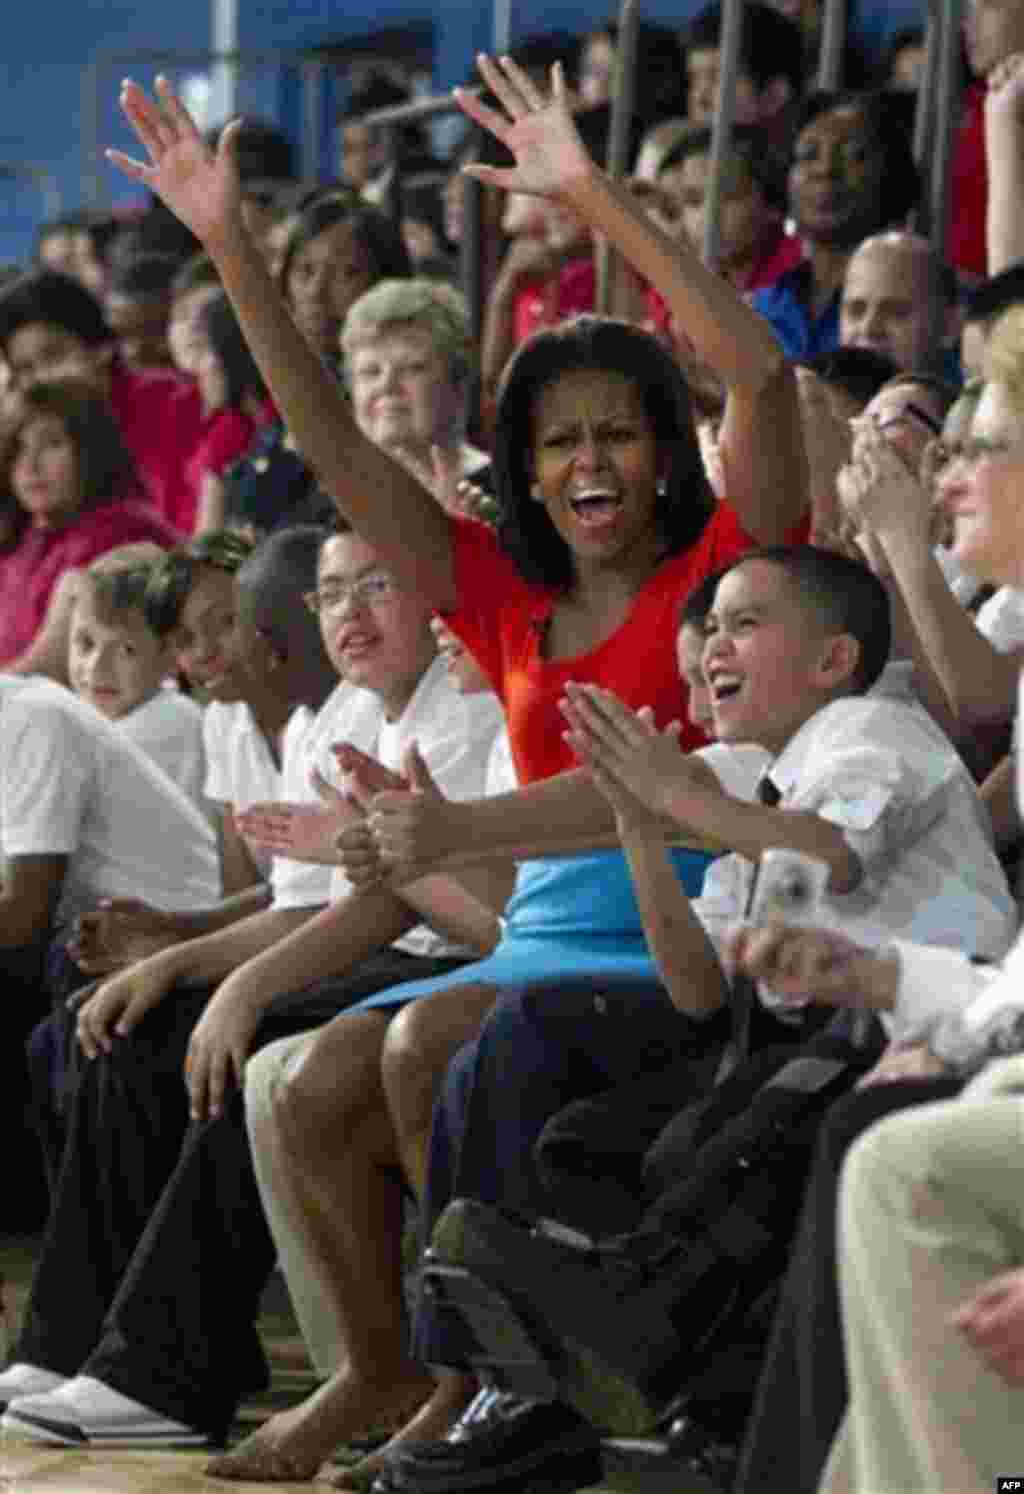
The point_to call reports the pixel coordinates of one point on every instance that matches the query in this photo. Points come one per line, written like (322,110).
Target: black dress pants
(157,1250)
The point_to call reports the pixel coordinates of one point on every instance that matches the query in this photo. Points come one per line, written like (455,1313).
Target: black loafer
(504,1442)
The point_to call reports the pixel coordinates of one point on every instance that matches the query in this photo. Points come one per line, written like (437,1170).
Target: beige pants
(310,1299)
(931,1207)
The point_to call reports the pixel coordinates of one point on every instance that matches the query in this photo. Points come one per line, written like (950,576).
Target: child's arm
(629,748)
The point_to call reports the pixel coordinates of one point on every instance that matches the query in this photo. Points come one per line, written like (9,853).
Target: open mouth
(725,686)
(596,509)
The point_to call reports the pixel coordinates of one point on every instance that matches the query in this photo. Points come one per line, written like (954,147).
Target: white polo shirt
(72,784)
(169,727)
(455,734)
(883,772)
(240,767)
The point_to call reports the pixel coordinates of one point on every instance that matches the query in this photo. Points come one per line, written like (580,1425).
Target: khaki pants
(931,1207)
(311,1302)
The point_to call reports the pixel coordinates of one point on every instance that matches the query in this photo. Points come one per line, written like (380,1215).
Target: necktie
(743,1002)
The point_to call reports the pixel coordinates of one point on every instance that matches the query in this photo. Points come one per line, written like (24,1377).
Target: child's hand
(818,965)
(303,832)
(627,748)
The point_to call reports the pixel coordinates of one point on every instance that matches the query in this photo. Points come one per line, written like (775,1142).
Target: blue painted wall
(47,50)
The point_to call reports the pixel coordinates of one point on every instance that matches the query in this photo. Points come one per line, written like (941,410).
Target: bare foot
(292,1445)
(434,1418)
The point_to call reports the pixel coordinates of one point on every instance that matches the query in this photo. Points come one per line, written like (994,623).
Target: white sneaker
(27,1379)
(85,1412)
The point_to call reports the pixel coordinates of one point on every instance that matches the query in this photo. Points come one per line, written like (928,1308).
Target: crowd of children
(410,786)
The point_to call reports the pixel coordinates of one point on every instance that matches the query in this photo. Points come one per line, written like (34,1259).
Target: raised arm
(761,441)
(384,502)
(1004,152)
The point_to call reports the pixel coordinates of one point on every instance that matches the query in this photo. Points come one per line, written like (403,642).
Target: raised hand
(200,187)
(539,132)
(878,491)
(411,829)
(1004,96)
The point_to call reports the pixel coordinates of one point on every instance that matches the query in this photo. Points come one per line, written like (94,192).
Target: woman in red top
(606,520)
(63,459)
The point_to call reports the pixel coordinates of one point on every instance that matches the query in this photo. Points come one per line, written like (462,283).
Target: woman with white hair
(408,353)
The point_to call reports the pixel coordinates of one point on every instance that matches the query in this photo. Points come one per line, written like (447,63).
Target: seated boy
(84,814)
(867,785)
(171,1358)
(119,665)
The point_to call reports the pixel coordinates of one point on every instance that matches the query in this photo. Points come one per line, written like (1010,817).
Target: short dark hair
(275,577)
(120,590)
(106,468)
(845,597)
(771,45)
(174,575)
(858,372)
(227,342)
(47,296)
(996,294)
(887,121)
(747,143)
(602,344)
(262,150)
(698,603)
(145,277)
(371,228)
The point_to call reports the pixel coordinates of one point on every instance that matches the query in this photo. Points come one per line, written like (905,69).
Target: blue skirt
(569,920)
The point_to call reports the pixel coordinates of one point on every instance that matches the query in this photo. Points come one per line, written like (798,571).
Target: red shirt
(778,254)
(500,617)
(31,569)
(225,437)
(965,242)
(544,303)
(161,419)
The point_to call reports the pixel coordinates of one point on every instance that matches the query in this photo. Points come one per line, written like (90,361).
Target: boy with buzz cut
(119,665)
(868,785)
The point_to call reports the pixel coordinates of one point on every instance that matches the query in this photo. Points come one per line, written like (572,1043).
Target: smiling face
(768,663)
(596,465)
(402,394)
(465,673)
(44,472)
(324,278)
(205,640)
(983,496)
(375,635)
(186,332)
(835,178)
(115,662)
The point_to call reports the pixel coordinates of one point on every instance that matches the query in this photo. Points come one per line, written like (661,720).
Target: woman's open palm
(199,187)
(539,131)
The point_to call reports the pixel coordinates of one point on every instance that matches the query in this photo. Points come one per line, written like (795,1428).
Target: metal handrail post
(721,128)
(619,130)
(833,40)
(947,119)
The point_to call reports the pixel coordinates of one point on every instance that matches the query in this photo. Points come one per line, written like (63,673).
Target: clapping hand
(303,832)
(818,965)
(625,752)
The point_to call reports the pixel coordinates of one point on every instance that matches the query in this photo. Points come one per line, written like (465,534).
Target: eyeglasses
(375,590)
